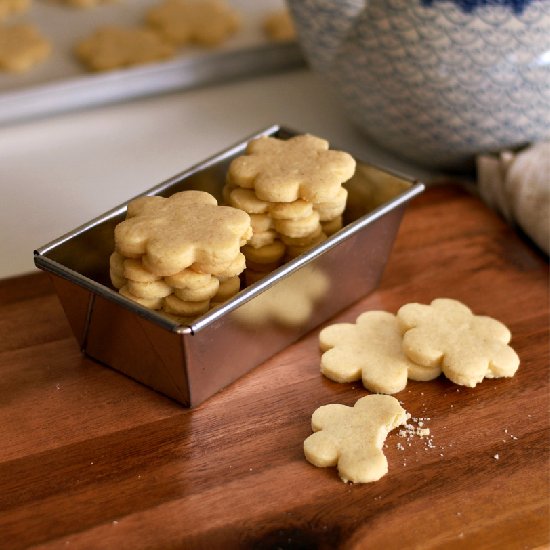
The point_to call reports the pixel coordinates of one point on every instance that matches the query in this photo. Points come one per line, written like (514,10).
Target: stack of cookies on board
(179,254)
(293,191)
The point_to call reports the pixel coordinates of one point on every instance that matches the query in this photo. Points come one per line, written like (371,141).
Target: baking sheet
(61,83)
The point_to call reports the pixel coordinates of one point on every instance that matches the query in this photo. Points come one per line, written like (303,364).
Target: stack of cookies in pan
(185,254)
(179,254)
(293,191)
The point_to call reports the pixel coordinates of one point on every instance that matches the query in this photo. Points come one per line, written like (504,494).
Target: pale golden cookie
(370,350)
(150,303)
(246,200)
(13,7)
(287,170)
(134,270)
(185,229)
(226,193)
(332,226)
(172,304)
(86,4)
(117,280)
(188,278)
(290,210)
(467,347)
(112,47)
(265,254)
(153,289)
(263,267)
(302,241)
(21,47)
(279,26)
(203,22)
(260,222)
(198,294)
(227,289)
(331,209)
(299,227)
(223,270)
(259,240)
(293,251)
(351,438)
(116,263)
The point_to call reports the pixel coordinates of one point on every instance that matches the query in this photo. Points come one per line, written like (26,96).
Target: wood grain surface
(91,459)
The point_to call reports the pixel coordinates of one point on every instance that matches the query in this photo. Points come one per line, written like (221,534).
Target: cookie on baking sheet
(85,4)
(13,7)
(203,22)
(21,47)
(370,350)
(447,335)
(279,26)
(351,438)
(301,167)
(112,47)
(171,234)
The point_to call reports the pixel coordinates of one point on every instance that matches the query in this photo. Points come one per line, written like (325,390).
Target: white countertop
(58,173)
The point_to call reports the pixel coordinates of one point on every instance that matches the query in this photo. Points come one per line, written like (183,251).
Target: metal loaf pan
(190,363)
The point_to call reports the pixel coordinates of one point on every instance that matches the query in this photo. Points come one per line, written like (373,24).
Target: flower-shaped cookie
(279,26)
(351,438)
(13,7)
(21,47)
(205,22)
(302,167)
(466,346)
(370,350)
(171,234)
(114,47)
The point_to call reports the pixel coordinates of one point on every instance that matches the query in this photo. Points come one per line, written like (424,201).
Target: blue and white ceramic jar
(435,81)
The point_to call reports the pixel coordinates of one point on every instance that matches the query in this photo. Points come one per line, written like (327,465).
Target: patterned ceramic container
(435,81)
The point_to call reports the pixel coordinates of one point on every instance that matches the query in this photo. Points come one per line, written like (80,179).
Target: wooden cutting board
(91,459)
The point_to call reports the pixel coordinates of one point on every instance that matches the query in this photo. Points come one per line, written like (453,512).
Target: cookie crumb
(496,456)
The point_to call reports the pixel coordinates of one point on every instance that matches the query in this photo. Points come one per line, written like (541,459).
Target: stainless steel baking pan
(189,363)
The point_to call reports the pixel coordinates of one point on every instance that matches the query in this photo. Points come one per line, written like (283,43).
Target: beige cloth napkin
(518,185)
